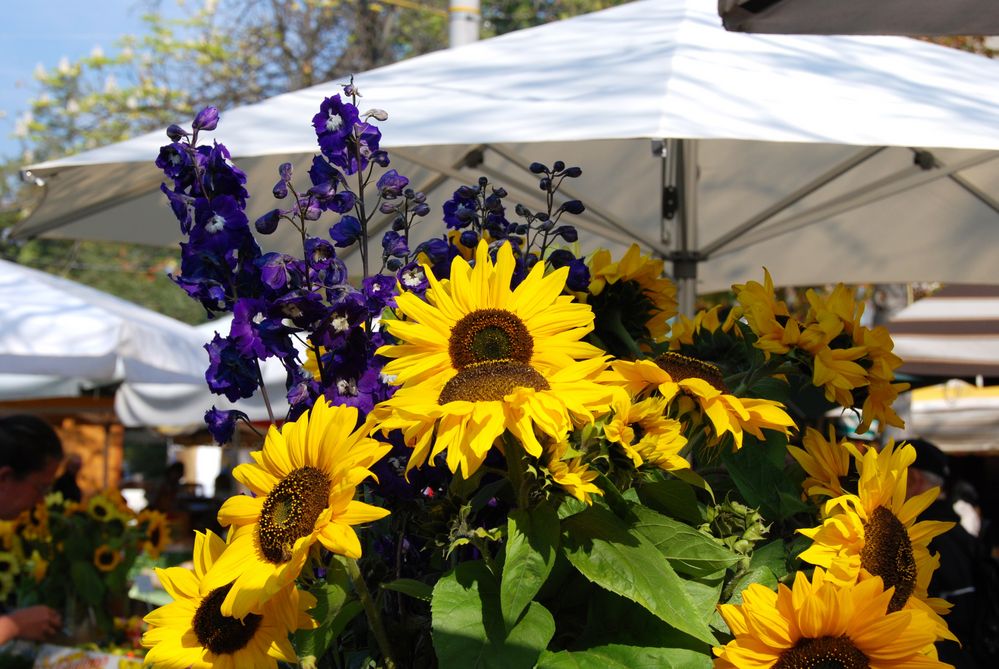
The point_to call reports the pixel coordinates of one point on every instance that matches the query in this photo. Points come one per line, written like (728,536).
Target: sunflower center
(154,536)
(221,634)
(106,558)
(491,381)
(290,512)
(826,652)
(681,367)
(487,335)
(887,553)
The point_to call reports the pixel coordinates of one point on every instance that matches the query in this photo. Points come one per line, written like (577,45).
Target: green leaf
(331,602)
(705,595)
(412,587)
(772,556)
(689,551)
(468,629)
(757,471)
(674,498)
(531,547)
(625,657)
(87,582)
(618,558)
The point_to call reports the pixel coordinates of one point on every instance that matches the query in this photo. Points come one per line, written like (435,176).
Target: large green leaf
(618,558)
(412,587)
(625,657)
(705,595)
(689,551)
(674,498)
(531,547)
(468,629)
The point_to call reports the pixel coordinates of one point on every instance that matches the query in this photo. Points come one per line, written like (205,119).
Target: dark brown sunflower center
(290,512)
(105,557)
(5,566)
(826,652)
(221,634)
(154,536)
(887,553)
(487,335)
(489,381)
(100,512)
(681,367)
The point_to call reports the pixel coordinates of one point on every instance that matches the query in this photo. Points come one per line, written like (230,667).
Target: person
(30,453)
(66,483)
(165,497)
(961,555)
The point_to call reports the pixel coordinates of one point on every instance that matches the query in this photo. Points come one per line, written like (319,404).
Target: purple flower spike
(346,231)
(391,184)
(222,424)
(207,119)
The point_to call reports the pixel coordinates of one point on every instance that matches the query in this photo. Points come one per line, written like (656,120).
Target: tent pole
(679,216)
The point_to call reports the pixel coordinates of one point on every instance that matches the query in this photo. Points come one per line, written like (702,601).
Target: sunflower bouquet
(76,557)
(502,452)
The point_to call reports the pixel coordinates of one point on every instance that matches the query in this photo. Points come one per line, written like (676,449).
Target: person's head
(930,470)
(30,453)
(73,464)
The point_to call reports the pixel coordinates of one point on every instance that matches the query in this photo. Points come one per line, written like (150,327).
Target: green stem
(516,470)
(621,333)
(374,618)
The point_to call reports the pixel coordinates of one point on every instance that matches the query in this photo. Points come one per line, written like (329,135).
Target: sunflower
(767,317)
(106,558)
(820,623)
(875,534)
(303,482)
(684,329)
(157,532)
(468,414)
(191,631)
(475,318)
(672,374)
(9,564)
(570,474)
(101,508)
(826,461)
(645,434)
(39,566)
(33,524)
(635,290)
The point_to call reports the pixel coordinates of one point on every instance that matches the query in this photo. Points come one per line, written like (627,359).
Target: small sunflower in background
(101,508)
(106,558)
(157,532)
(192,632)
(874,534)
(825,461)
(631,299)
(303,482)
(819,623)
(569,473)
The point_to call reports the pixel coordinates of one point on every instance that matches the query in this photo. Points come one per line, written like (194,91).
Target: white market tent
(953,333)
(863,159)
(182,406)
(58,330)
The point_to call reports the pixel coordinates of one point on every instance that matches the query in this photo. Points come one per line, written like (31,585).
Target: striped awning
(953,334)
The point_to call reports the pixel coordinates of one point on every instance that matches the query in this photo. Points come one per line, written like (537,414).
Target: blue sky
(44,31)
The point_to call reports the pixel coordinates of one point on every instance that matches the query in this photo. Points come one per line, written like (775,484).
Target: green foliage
(617,557)
(468,627)
(616,656)
(531,545)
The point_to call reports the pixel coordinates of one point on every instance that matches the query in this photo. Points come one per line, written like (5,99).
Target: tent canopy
(953,333)
(822,158)
(56,327)
(862,17)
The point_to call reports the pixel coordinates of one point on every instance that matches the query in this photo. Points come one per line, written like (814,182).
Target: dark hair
(27,443)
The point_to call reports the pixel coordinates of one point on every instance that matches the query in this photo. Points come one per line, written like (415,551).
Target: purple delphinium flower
(222,177)
(391,184)
(334,125)
(394,245)
(230,373)
(221,424)
(207,119)
(379,292)
(346,231)
(579,273)
(256,333)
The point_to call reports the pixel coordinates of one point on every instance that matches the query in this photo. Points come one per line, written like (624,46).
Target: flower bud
(176,133)
(207,119)
(268,223)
